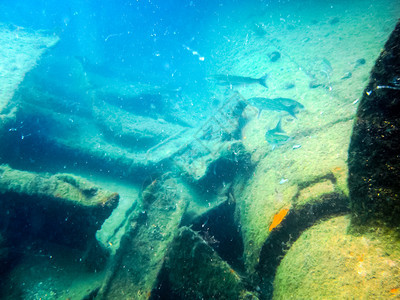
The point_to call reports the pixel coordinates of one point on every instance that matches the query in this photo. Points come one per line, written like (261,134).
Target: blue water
(120,66)
(143,40)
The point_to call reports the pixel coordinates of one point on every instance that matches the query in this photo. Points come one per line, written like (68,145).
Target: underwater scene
(194,149)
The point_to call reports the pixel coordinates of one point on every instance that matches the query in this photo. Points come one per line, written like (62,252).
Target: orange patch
(278,218)
(394,291)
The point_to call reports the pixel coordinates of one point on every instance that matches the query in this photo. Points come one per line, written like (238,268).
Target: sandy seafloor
(303,35)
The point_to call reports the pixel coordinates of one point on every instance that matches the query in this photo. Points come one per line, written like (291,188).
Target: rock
(55,139)
(62,208)
(137,264)
(302,215)
(195,271)
(274,56)
(134,132)
(122,143)
(221,229)
(216,142)
(309,180)
(374,153)
(143,99)
(19,52)
(328,262)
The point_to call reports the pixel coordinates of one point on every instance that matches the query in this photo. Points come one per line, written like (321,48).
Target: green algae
(20,50)
(313,172)
(136,265)
(197,272)
(60,187)
(374,152)
(328,262)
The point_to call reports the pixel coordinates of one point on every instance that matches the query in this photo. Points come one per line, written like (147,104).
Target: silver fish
(292,107)
(239,80)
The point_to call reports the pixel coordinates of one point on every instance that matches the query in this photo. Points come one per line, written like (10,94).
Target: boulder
(328,262)
(20,50)
(374,153)
(134,270)
(60,208)
(195,271)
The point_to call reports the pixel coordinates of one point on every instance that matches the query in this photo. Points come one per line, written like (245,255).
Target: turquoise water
(147,146)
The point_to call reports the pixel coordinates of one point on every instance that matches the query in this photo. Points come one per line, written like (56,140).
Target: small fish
(292,107)
(278,218)
(274,56)
(298,146)
(276,136)
(346,75)
(359,62)
(337,169)
(239,80)
(283,180)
